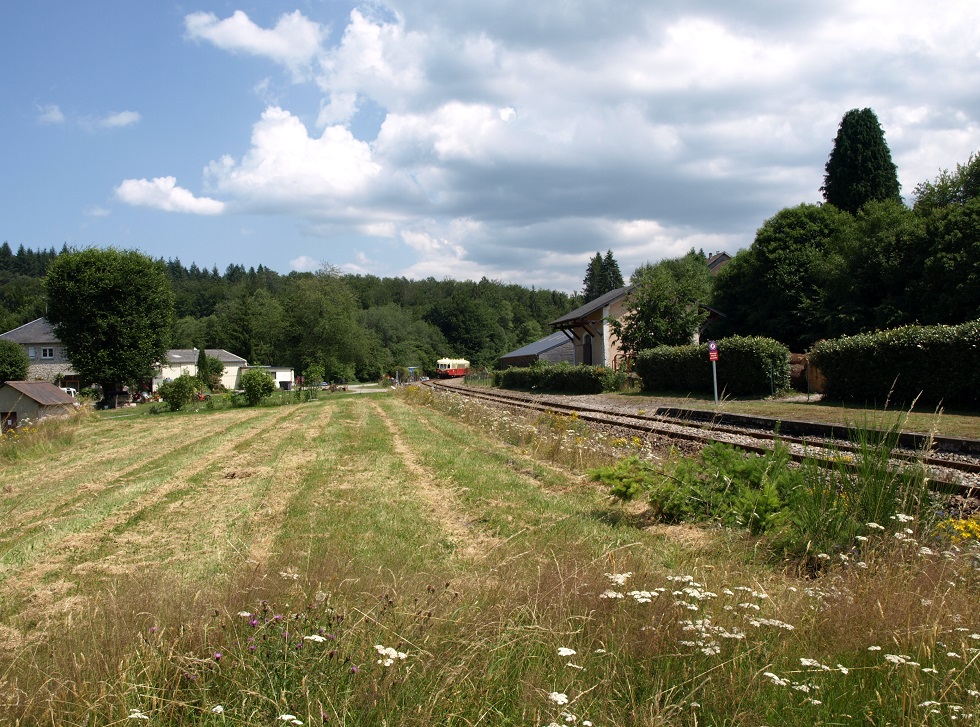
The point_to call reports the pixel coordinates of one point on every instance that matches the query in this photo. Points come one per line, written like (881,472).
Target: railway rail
(953,464)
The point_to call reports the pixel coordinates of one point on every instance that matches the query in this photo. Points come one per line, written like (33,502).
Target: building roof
(180,356)
(718,260)
(43,392)
(37,331)
(570,319)
(538,347)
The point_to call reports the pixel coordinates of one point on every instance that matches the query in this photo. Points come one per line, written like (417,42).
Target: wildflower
(843,669)
(619,579)
(314,637)
(874,648)
(389,655)
(861,538)
(217,709)
(563,651)
(558,698)
(902,518)
(875,526)
(244,614)
(574,666)
(776,680)
(136,714)
(610,594)
(291,719)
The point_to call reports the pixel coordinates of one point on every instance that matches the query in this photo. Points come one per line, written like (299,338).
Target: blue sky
(506,139)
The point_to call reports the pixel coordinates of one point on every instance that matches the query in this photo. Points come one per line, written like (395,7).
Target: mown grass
(417,560)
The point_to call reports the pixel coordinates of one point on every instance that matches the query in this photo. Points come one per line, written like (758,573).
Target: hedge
(561,377)
(746,366)
(929,364)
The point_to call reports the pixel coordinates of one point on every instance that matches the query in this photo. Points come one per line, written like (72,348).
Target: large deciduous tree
(666,305)
(860,167)
(113,311)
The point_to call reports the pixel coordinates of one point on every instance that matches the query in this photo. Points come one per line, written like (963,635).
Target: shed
(554,348)
(587,327)
(22,401)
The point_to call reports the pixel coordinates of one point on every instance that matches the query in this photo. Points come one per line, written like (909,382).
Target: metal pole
(714,375)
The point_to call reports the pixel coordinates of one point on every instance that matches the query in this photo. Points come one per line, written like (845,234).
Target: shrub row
(934,364)
(746,365)
(560,377)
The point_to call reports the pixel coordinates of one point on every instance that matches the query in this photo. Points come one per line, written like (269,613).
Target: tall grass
(565,614)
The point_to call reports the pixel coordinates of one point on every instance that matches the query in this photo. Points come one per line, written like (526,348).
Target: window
(47,353)
(31,352)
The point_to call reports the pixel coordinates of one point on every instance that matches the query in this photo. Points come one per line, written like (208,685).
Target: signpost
(713,357)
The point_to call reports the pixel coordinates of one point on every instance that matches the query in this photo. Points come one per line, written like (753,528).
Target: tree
(860,167)
(14,363)
(257,384)
(949,188)
(666,305)
(602,276)
(203,373)
(774,288)
(113,311)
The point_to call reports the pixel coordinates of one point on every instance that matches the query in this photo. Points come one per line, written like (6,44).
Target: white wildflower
(558,698)
(564,651)
(217,709)
(136,714)
(610,594)
(875,526)
(619,579)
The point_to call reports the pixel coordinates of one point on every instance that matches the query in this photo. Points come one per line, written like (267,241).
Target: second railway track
(953,464)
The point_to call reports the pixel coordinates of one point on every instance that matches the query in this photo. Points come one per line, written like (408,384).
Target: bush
(179,392)
(14,363)
(257,385)
(900,365)
(746,366)
(560,377)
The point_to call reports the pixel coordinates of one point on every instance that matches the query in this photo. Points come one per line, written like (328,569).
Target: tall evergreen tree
(602,275)
(612,272)
(860,167)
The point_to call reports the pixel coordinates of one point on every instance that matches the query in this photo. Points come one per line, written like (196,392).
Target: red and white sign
(712,351)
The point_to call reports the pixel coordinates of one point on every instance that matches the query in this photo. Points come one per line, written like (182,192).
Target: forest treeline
(354,326)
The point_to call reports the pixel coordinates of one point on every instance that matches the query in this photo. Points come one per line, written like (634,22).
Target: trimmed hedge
(746,366)
(934,364)
(561,377)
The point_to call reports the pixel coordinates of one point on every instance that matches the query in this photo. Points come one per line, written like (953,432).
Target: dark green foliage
(178,393)
(666,305)
(931,364)
(746,366)
(113,311)
(563,377)
(14,363)
(775,288)
(257,384)
(860,167)
(602,276)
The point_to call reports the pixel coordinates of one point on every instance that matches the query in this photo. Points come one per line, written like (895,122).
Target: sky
(507,139)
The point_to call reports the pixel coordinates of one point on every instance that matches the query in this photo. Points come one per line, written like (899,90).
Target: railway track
(953,464)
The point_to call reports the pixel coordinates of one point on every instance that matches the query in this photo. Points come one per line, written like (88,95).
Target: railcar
(451,368)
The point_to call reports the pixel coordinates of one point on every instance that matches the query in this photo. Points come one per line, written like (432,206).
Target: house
(554,348)
(587,327)
(48,360)
(181,361)
(718,260)
(22,401)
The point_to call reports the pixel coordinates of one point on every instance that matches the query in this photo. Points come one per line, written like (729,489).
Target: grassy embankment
(417,561)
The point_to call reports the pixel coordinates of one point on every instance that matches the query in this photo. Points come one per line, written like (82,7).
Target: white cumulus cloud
(294,41)
(50,114)
(164,194)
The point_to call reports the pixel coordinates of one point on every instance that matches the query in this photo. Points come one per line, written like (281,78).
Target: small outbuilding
(22,401)
(554,348)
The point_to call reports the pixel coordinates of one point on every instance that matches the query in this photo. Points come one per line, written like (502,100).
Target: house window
(47,353)
(31,352)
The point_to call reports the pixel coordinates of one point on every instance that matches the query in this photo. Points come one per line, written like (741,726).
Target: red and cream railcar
(451,368)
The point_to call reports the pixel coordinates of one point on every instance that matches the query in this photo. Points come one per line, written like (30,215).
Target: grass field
(395,560)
